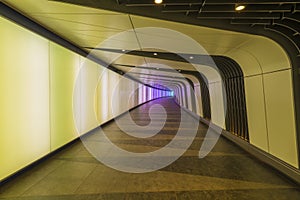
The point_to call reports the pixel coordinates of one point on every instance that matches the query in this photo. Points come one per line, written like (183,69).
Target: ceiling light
(158,1)
(157,68)
(123,50)
(191,57)
(239,7)
(155,54)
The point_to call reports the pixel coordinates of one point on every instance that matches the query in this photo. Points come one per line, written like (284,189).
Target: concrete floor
(226,173)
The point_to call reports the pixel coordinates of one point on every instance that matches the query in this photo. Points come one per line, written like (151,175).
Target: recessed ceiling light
(123,50)
(155,54)
(158,1)
(239,7)
(191,57)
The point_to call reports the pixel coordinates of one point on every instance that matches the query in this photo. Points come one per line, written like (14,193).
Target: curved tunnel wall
(37,80)
(268,82)
(236,114)
(269,97)
(205,97)
(232,78)
(260,99)
(211,92)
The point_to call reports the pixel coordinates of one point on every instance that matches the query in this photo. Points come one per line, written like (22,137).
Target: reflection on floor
(226,173)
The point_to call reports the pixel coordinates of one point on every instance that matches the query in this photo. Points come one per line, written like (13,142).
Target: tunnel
(149,99)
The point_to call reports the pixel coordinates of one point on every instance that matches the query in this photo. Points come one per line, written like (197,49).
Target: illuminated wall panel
(149,93)
(180,93)
(64,66)
(24,102)
(258,135)
(113,92)
(102,98)
(136,94)
(124,90)
(217,104)
(189,102)
(87,79)
(178,96)
(147,89)
(198,100)
(140,94)
(132,93)
(280,116)
(183,96)
(144,94)
(127,94)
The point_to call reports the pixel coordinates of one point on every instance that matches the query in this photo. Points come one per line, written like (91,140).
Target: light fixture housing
(239,7)
(158,1)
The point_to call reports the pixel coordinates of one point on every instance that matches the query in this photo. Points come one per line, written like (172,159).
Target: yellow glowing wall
(270,110)
(217,103)
(126,91)
(102,98)
(280,116)
(24,102)
(64,66)
(39,104)
(269,97)
(113,94)
(88,79)
(198,99)
(256,112)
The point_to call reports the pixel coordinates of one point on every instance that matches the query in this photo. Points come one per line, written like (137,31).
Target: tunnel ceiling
(88,23)
(274,18)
